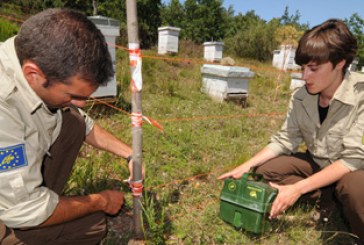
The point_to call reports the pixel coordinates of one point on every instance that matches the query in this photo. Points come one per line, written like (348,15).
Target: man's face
(321,77)
(59,95)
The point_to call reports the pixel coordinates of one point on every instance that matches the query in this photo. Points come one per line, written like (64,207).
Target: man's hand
(70,208)
(111,201)
(130,166)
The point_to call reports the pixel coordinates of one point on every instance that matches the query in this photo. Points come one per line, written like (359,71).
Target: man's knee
(90,229)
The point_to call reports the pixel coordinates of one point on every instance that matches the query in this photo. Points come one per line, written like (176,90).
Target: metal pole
(136,87)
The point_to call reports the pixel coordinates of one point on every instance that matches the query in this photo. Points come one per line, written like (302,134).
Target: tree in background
(229,24)
(287,35)
(292,20)
(254,38)
(173,14)
(244,35)
(149,19)
(356,26)
(199,20)
(211,21)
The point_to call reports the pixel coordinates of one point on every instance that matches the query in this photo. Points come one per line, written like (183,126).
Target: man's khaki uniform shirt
(339,137)
(27,130)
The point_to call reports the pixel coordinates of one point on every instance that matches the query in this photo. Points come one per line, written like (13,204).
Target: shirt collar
(30,97)
(346,91)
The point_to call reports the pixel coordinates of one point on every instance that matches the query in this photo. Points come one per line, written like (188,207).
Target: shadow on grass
(334,232)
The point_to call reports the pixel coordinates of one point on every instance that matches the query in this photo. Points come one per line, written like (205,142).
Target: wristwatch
(129,158)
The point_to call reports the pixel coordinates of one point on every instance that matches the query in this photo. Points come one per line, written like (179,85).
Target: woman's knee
(349,189)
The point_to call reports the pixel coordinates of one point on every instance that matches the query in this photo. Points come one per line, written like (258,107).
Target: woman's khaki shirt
(341,135)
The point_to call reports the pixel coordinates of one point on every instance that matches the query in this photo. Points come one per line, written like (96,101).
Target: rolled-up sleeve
(88,120)
(30,212)
(23,201)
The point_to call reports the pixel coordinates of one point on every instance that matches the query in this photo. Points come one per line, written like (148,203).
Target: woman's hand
(287,196)
(236,173)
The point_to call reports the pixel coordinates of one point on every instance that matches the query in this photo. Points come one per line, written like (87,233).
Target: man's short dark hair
(64,43)
(330,41)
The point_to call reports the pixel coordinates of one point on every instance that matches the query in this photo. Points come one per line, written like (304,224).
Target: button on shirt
(339,137)
(27,130)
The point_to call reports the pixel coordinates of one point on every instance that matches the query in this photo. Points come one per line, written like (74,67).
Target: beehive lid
(213,43)
(102,20)
(169,28)
(226,71)
(296,75)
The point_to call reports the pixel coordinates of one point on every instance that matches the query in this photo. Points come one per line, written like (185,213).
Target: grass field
(202,139)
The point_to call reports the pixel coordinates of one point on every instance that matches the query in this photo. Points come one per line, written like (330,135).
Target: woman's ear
(340,65)
(33,74)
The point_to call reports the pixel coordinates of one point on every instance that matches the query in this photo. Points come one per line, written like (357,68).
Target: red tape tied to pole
(136,188)
(136,119)
(154,123)
(135,57)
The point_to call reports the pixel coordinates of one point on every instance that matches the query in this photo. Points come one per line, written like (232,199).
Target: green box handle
(252,176)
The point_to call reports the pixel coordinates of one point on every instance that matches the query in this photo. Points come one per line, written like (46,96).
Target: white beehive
(284,58)
(168,39)
(296,81)
(225,82)
(213,51)
(353,65)
(110,29)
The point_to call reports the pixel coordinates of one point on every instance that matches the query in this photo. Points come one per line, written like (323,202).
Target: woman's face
(322,78)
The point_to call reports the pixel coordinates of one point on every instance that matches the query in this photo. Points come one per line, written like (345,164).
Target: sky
(312,12)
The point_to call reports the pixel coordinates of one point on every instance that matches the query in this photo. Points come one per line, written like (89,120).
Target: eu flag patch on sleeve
(12,157)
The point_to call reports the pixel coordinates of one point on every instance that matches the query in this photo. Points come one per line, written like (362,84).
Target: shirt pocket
(354,139)
(335,144)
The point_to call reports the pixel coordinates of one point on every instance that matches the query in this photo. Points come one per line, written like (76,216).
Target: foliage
(287,19)
(292,20)
(154,219)
(356,25)
(7,29)
(200,21)
(256,41)
(172,14)
(229,24)
(287,35)
(148,20)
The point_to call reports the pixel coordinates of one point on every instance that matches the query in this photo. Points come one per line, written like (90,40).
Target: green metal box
(245,203)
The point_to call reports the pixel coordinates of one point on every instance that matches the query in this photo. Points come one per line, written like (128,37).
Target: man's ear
(33,74)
